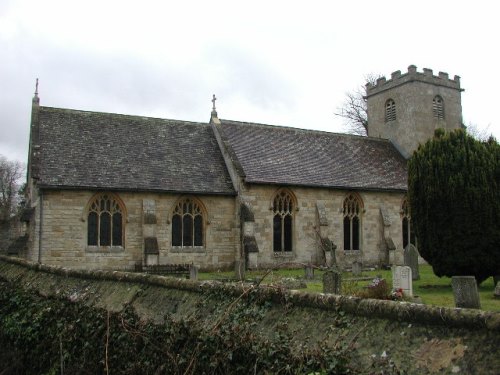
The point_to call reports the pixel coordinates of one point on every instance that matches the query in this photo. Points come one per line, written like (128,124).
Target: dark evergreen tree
(454,194)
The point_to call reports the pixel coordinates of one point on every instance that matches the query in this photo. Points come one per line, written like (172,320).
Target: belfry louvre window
(407,227)
(352,222)
(282,221)
(390,110)
(187,224)
(438,107)
(105,221)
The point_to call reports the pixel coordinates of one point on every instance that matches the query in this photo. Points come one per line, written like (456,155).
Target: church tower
(407,108)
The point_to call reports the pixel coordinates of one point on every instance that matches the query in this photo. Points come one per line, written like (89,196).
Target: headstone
(332,281)
(465,292)
(496,293)
(309,272)
(402,279)
(239,269)
(411,260)
(193,272)
(496,279)
(357,268)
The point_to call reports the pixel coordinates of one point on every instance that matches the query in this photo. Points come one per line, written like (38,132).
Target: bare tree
(10,174)
(481,134)
(354,108)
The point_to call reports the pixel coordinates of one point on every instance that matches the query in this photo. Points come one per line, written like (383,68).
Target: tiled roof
(289,156)
(108,151)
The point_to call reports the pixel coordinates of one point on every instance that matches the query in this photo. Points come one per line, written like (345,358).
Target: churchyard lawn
(431,289)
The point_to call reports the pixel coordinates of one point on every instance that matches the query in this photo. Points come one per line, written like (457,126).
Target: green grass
(431,289)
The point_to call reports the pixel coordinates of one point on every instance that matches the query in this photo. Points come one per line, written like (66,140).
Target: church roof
(94,150)
(288,156)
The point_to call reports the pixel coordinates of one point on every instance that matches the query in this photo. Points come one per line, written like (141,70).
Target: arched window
(407,227)
(352,222)
(282,221)
(390,110)
(187,224)
(105,221)
(438,107)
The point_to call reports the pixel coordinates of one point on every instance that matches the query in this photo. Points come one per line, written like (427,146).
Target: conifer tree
(454,194)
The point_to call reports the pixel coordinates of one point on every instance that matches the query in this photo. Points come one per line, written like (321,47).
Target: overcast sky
(275,62)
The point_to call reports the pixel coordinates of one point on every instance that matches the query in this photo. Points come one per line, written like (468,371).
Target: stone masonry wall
(306,225)
(64,232)
(415,122)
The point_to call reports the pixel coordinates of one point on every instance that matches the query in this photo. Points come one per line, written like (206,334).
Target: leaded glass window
(187,224)
(105,221)
(282,221)
(352,222)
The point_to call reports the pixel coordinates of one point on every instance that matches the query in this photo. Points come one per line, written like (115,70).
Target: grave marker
(332,281)
(410,254)
(465,292)
(402,279)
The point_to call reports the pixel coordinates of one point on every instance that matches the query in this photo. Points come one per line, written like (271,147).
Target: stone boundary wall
(388,310)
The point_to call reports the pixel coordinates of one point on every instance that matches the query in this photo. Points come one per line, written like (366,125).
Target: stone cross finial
(214,112)
(36,87)
(213,101)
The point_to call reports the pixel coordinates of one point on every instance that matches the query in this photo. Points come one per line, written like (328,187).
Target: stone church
(109,191)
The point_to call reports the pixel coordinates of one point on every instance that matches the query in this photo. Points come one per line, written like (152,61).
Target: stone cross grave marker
(410,254)
(402,279)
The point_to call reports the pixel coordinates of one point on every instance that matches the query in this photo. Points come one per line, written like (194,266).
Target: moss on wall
(379,334)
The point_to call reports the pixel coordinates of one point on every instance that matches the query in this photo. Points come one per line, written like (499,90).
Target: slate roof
(288,156)
(93,150)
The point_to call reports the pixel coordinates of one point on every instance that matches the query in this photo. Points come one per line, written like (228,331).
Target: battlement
(397,79)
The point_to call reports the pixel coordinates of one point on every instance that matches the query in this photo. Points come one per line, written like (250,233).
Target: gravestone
(309,272)
(410,255)
(402,279)
(193,272)
(357,268)
(465,292)
(332,281)
(496,279)
(496,293)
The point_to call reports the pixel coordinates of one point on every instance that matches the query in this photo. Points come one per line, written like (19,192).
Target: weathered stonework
(64,233)
(306,225)
(413,93)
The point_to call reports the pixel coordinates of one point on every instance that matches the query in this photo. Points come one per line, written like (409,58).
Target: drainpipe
(40,231)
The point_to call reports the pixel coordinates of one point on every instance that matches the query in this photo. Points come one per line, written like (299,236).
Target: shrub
(454,194)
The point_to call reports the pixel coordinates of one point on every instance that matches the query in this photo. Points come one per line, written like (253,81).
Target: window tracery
(282,221)
(407,227)
(352,210)
(187,224)
(105,221)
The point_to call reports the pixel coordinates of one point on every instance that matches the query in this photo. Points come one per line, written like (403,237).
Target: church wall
(64,232)
(306,226)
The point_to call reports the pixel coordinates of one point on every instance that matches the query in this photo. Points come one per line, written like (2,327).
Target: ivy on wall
(56,336)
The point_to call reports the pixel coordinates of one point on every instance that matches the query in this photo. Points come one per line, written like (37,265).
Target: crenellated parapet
(398,78)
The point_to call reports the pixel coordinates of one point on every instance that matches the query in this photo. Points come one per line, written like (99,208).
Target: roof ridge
(119,115)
